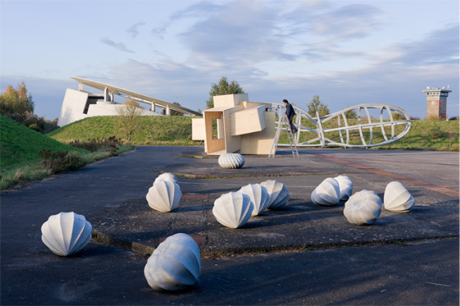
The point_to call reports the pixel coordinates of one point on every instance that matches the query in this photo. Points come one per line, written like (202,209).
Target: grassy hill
(20,145)
(152,130)
(159,130)
(424,135)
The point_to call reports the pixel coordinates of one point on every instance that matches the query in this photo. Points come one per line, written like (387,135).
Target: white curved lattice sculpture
(233,209)
(175,264)
(342,125)
(164,196)
(231,161)
(66,233)
(397,198)
(345,185)
(363,208)
(166,177)
(259,197)
(327,193)
(279,194)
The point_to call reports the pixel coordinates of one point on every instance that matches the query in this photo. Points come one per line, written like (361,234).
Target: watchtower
(436,102)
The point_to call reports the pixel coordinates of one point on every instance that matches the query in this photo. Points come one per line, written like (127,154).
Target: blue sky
(347,52)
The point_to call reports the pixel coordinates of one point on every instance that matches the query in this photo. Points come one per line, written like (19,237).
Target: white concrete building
(80,104)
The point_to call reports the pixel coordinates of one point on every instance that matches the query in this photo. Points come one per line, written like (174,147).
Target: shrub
(434,133)
(455,147)
(93,145)
(433,117)
(414,118)
(61,161)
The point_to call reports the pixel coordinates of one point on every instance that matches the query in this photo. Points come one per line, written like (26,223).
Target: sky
(347,52)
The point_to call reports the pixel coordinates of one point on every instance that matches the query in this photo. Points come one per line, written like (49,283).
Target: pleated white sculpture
(175,264)
(363,208)
(164,196)
(66,233)
(279,194)
(345,185)
(233,209)
(166,177)
(231,161)
(259,197)
(397,198)
(327,193)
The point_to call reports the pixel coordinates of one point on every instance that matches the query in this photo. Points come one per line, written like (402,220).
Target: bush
(434,133)
(455,147)
(61,161)
(93,145)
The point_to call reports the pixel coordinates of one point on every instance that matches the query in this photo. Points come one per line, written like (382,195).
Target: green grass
(424,135)
(20,145)
(159,130)
(152,130)
(19,160)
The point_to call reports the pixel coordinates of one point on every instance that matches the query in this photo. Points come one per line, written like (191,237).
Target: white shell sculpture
(363,207)
(233,209)
(259,197)
(231,160)
(279,194)
(345,185)
(175,264)
(166,177)
(327,193)
(397,198)
(164,196)
(66,233)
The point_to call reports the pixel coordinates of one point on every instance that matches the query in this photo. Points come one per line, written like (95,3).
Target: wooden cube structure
(235,125)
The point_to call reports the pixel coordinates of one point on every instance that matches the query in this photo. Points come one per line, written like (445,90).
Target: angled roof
(120,92)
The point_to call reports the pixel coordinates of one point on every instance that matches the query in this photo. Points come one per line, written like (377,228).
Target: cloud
(118,46)
(438,47)
(236,33)
(197,10)
(133,30)
(158,31)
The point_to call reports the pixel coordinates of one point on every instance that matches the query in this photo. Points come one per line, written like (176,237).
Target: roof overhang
(136,96)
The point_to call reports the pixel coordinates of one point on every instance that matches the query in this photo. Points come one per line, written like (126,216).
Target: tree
(174,113)
(351,114)
(128,115)
(16,101)
(223,88)
(317,105)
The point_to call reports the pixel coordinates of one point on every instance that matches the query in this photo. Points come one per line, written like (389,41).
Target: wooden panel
(247,104)
(229,100)
(260,143)
(198,129)
(232,143)
(212,145)
(247,121)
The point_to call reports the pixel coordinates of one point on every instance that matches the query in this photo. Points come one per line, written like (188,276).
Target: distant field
(153,130)
(423,135)
(20,145)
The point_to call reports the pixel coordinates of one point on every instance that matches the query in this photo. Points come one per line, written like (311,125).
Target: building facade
(436,102)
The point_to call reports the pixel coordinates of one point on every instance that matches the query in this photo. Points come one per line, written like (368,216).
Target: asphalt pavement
(302,254)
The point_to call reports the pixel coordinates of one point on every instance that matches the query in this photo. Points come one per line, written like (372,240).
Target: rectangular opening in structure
(214,132)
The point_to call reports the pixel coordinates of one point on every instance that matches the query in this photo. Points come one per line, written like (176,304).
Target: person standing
(290,113)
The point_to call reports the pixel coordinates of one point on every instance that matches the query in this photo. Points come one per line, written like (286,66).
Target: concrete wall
(73,108)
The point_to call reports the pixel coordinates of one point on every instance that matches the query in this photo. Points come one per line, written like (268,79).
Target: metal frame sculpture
(324,141)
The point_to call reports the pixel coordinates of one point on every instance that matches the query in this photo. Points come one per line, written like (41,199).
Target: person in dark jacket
(290,113)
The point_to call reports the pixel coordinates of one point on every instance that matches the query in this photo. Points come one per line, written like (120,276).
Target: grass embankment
(159,130)
(19,153)
(151,130)
(424,135)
